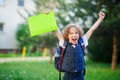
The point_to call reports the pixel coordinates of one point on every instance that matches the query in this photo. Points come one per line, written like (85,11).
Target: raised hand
(101,15)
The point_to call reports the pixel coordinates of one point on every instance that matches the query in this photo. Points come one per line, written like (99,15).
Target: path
(2,60)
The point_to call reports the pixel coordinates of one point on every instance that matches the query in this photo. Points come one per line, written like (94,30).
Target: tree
(24,38)
(111,28)
(49,41)
(113,17)
(22,35)
(75,11)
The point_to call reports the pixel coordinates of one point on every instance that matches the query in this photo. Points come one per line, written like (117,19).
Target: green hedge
(4,55)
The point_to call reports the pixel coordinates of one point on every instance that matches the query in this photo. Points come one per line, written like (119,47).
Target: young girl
(73,60)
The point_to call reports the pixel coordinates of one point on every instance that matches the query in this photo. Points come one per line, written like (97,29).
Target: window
(1,27)
(1,2)
(20,2)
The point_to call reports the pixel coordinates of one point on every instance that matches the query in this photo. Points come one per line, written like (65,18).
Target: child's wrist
(101,19)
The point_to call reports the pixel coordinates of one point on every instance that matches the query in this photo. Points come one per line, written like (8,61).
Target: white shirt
(84,37)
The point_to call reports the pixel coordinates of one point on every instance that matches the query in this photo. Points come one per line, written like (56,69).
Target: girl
(73,60)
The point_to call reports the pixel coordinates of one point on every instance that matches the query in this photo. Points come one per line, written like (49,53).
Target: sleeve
(61,43)
(85,40)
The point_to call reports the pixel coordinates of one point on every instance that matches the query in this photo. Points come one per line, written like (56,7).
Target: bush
(101,46)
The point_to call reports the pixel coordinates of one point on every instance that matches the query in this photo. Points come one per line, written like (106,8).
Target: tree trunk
(114,56)
(51,55)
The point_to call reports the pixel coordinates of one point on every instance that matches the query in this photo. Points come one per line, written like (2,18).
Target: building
(10,20)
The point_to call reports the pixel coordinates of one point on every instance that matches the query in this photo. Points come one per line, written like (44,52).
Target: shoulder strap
(62,53)
(82,45)
(64,49)
(83,49)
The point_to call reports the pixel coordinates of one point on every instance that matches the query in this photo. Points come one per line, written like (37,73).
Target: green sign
(42,23)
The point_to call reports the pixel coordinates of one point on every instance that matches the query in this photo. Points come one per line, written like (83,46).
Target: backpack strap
(81,42)
(62,53)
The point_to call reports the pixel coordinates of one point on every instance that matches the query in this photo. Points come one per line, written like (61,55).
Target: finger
(47,12)
(101,13)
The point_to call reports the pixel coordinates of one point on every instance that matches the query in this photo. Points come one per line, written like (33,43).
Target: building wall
(11,18)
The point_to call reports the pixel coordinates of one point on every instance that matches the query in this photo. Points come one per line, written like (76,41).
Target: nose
(74,35)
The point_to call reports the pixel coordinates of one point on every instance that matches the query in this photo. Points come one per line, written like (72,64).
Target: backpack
(59,54)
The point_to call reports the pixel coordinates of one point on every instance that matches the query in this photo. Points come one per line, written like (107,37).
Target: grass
(43,70)
(3,55)
(101,71)
(27,71)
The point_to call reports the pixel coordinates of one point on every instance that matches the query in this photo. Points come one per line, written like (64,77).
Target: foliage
(43,5)
(48,40)
(34,43)
(76,11)
(14,55)
(34,70)
(81,11)
(101,43)
(84,13)
(99,49)
(22,35)
(24,38)
(3,55)
(103,47)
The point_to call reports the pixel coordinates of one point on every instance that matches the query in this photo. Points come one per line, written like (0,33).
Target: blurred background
(15,39)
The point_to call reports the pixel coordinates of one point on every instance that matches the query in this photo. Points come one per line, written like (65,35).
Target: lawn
(3,55)
(43,70)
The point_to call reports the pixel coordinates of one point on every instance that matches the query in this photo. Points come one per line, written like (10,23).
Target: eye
(76,33)
(70,33)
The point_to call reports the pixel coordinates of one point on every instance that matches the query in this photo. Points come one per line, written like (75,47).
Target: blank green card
(42,23)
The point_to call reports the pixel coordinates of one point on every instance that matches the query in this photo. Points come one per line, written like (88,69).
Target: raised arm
(59,34)
(95,25)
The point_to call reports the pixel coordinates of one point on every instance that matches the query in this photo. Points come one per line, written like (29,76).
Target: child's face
(73,35)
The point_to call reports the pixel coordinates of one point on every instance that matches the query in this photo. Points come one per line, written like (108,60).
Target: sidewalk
(2,60)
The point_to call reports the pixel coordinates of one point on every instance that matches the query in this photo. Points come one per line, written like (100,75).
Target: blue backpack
(59,54)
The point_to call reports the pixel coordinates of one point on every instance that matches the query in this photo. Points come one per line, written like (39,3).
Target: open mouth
(74,40)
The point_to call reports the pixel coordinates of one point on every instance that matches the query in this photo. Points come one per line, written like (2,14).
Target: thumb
(47,12)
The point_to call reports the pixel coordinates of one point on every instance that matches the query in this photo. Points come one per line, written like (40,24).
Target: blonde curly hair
(68,27)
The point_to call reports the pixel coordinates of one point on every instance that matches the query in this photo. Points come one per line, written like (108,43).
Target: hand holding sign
(42,23)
